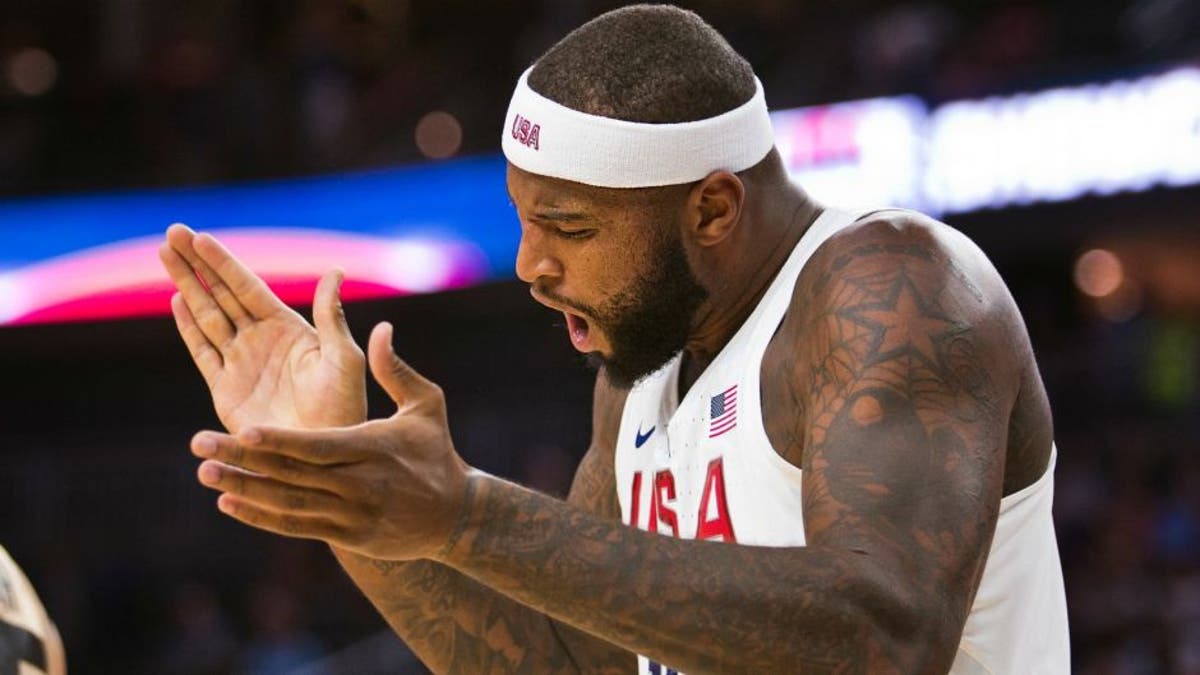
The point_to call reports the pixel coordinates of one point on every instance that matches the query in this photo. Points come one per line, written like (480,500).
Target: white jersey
(29,643)
(703,468)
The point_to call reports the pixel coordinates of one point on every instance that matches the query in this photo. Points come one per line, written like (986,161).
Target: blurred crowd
(144,576)
(126,92)
(1127,503)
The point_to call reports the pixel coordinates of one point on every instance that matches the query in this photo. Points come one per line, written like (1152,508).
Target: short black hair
(645,63)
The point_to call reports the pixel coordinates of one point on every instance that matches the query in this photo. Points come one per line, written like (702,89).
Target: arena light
(32,71)
(1098,273)
(1064,143)
(859,153)
(438,135)
(396,232)
(1053,145)
(126,279)
(426,228)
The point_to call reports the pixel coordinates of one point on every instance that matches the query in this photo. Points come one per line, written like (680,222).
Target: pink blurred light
(125,279)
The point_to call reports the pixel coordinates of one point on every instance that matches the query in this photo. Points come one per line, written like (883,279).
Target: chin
(622,375)
(595,361)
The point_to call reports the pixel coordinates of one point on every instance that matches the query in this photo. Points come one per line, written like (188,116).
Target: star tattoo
(904,322)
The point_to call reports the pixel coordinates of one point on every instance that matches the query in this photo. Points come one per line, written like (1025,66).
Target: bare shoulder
(901,300)
(595,487)
(926,250)
(33,634)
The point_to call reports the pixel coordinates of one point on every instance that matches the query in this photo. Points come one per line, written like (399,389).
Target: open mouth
(578,328)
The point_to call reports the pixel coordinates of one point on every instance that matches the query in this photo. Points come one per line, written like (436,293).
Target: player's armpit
(905,389)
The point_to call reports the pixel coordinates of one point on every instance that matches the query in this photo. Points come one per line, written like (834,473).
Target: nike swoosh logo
(640,438)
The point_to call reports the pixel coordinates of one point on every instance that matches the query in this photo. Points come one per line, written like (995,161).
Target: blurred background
(1063,137)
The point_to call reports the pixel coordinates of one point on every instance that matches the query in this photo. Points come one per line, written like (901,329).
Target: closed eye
(573,234)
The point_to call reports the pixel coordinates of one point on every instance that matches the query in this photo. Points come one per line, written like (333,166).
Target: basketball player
(29,642)
(820,441)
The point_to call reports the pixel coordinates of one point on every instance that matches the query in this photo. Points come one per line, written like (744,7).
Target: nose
(534,258)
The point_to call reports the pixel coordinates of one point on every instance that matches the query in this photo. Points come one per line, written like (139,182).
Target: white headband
(550,139)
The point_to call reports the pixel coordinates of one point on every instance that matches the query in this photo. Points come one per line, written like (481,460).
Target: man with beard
(835,418)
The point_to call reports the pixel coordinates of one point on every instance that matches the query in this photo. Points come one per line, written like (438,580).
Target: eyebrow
(553,214)
(562,216)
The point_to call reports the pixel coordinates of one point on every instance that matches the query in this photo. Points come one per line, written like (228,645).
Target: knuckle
(346,536)
(335,533)
(370,512)
(209,315)
(400,371)
(432,400)
(240,286)
(351,490)
(294,498)
(288,467)
(290,523)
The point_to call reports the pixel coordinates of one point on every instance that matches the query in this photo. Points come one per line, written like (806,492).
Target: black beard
(648,323)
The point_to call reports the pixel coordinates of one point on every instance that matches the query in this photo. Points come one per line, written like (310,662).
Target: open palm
(263,363)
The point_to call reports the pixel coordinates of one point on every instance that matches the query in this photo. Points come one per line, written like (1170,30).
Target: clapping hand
(387,489)
(263,363)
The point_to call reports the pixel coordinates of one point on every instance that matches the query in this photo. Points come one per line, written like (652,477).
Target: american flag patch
(722,412)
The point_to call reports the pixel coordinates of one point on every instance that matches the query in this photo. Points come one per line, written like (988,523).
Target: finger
(183,239)
(270,493)
(315,446)
(329,317)
(225,449)
(403,384)
(251,291)
(208,315)
(206,357)
(287,524)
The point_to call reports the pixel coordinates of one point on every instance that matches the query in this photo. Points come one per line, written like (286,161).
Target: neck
(739,275)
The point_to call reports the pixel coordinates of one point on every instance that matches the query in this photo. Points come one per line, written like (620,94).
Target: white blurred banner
(1053,145)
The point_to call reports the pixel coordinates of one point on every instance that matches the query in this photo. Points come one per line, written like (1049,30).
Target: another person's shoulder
(18,603)
(32,638)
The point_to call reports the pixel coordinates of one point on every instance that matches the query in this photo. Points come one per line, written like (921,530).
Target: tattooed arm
(898,377)
(457,625)
(890,382)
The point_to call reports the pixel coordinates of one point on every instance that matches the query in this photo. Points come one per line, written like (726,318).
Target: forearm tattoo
(898,422)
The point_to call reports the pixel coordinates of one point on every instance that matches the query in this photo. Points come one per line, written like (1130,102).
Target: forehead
(530,189)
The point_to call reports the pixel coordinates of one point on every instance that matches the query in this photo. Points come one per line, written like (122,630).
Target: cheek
(594,271)
(603,270)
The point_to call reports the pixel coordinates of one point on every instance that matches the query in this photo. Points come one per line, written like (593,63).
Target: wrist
(458,541)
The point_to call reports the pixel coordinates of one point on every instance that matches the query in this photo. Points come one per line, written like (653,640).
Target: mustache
(565,302)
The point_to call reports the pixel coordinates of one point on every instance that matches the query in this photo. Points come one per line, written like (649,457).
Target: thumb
(402,383)
(328,315)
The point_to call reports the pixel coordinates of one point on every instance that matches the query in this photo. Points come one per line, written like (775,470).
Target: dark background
(98,500)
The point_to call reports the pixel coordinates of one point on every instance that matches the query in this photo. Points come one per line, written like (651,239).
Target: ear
(715,205)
